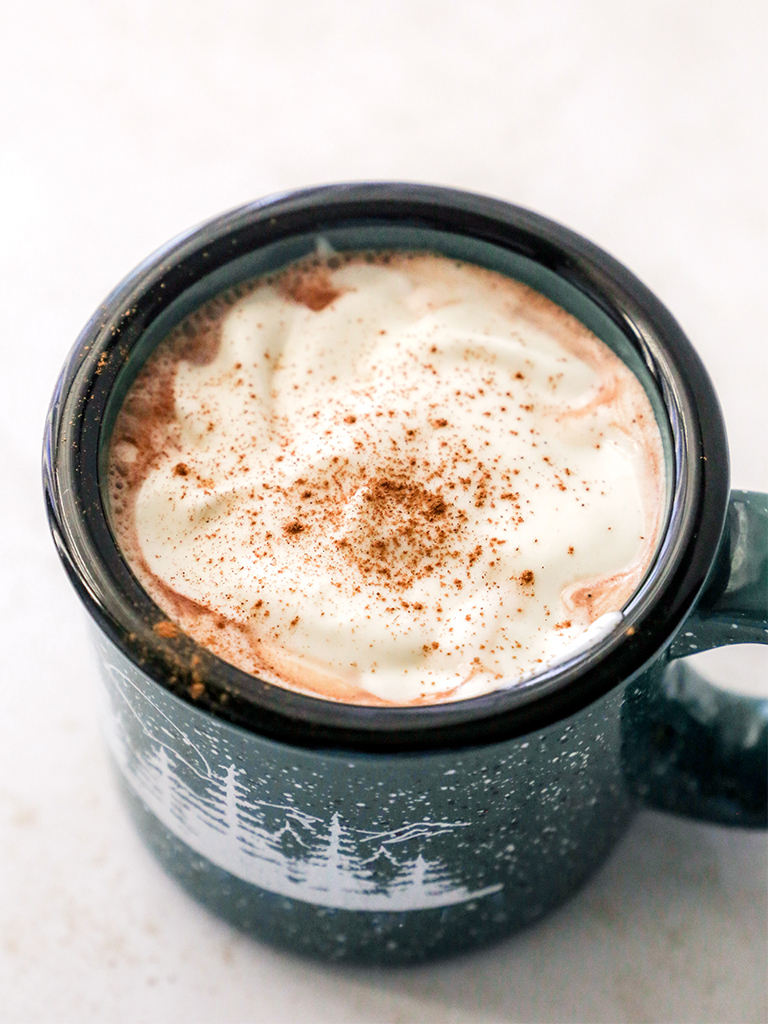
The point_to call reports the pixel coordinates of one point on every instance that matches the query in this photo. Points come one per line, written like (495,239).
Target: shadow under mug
(395,835)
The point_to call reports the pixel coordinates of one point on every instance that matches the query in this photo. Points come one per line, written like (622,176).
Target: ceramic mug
(394,835)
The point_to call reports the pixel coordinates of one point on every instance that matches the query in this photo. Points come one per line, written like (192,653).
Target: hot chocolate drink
(387,478)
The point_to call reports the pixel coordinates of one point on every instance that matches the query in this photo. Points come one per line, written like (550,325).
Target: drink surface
(387,479)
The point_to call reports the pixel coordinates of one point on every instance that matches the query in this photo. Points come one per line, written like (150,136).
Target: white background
(641,125)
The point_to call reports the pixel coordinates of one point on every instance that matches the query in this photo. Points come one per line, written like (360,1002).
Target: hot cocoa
(387,478)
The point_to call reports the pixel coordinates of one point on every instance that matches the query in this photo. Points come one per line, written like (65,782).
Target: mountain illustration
(277,846)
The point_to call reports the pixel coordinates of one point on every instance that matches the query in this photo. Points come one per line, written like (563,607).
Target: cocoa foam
(387,479)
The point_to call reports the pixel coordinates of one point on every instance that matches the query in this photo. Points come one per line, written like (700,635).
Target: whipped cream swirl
(387,479)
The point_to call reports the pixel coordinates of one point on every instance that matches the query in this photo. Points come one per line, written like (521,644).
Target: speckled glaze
(396,835)
(386,858)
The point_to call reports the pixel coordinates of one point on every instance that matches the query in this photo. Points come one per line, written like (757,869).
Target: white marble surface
(640,125)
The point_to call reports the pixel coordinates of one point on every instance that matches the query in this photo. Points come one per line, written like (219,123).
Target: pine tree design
(275,846)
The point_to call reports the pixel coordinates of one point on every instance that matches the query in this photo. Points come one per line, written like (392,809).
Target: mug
(393,835)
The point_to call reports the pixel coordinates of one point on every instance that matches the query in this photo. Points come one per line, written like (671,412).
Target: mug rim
(126,614)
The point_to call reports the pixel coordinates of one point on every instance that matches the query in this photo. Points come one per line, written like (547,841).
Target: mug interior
(596,294)
(401,238)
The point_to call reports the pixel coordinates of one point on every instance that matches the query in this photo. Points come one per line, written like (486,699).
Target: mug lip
(126,614)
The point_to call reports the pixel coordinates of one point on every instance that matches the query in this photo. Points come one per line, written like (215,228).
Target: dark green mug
(394,835)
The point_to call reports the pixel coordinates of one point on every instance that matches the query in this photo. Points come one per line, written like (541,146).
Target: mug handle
(687,746)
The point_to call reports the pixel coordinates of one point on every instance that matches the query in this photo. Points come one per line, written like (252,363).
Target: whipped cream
(388,479)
